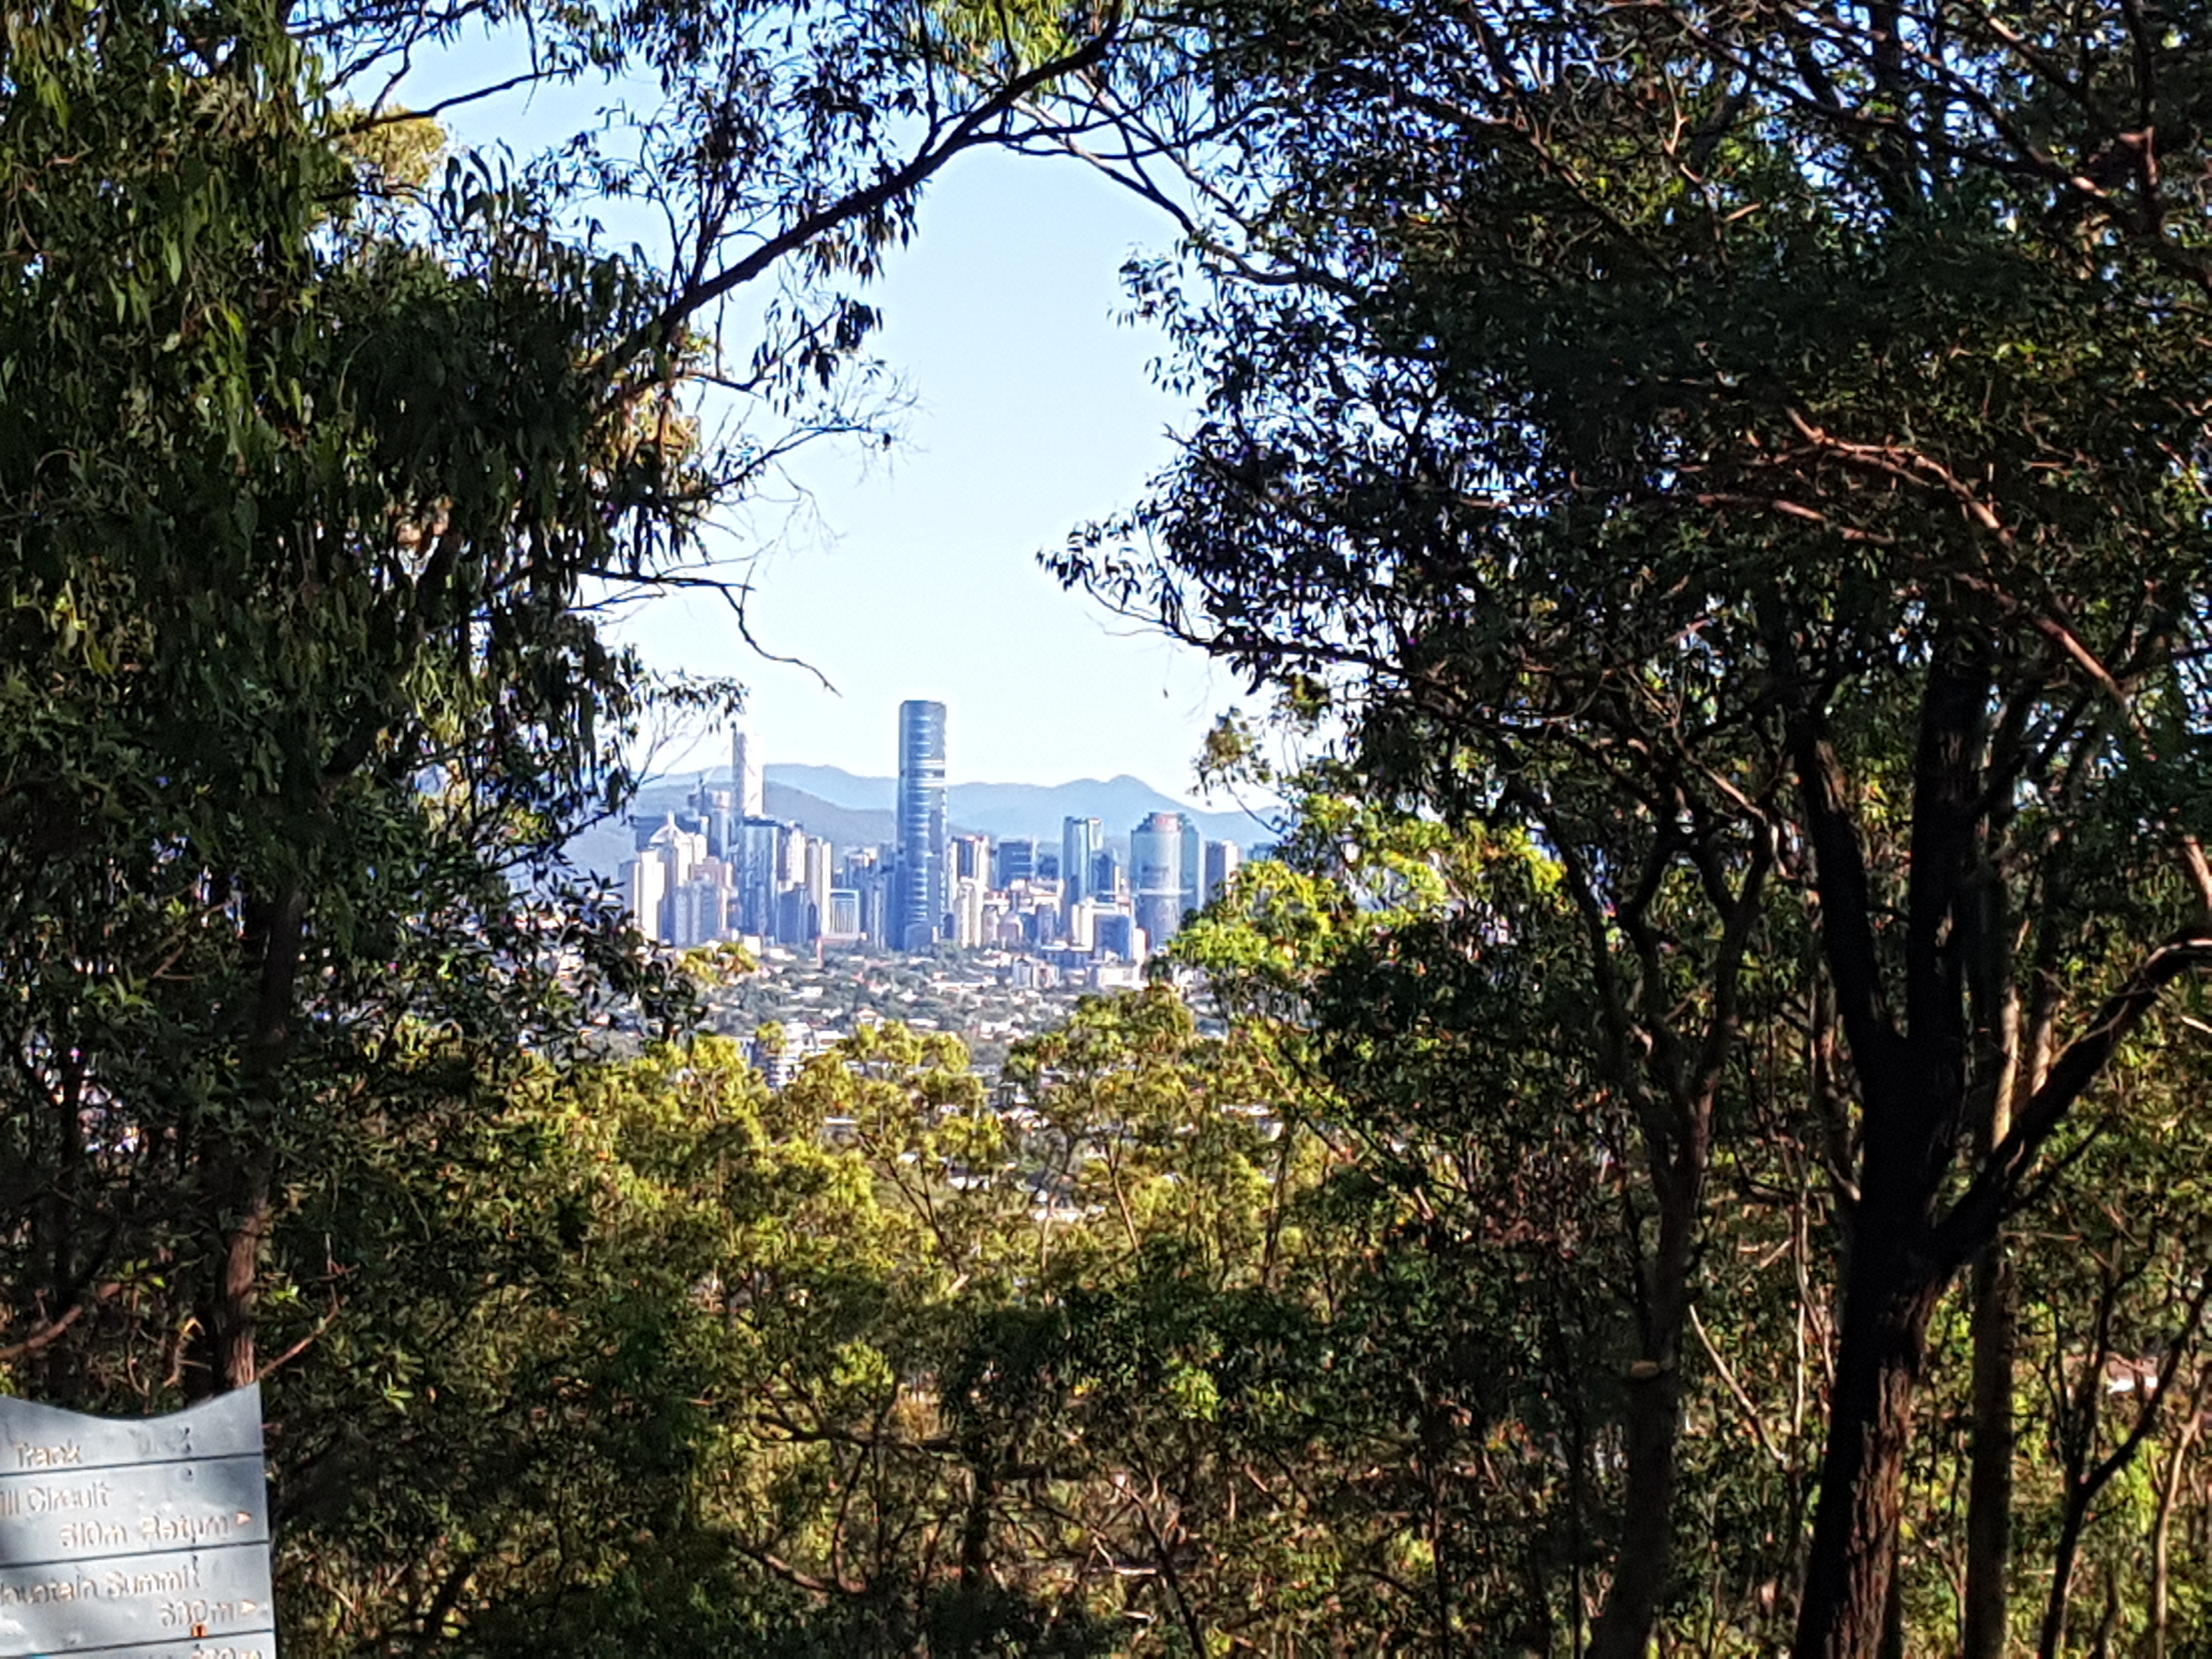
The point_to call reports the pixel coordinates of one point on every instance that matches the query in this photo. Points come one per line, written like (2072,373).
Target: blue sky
(913,573)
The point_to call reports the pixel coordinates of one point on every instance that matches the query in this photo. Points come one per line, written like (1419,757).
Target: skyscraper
(1081,840)
(918,905)
(1016,860)
(745,775)
(1222,860)
(713,807)
(1156,850)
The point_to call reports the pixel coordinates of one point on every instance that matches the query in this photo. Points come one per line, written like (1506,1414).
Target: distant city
(1074,913)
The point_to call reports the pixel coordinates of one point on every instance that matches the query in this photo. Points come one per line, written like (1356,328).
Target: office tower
(680,848)
(1155,848)
(791,857)
(1105,885)
(1016,860)
(760,845)
(1081,841)
(794,917)
(746,778)
(1116,934)
(1222,860)
(920,901)
(970,855)
(842,923)
(1193,868)
(699,906)
(868,877)
(817,881)
(715,808)
(968,912)
(644,892)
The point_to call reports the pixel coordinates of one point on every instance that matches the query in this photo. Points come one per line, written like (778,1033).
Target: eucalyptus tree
(1757,451)
(321,465)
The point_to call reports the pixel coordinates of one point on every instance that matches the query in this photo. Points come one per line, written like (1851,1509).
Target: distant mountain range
(850,810)
(999,810)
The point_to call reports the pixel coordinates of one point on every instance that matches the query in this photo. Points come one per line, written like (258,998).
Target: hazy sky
(913,574)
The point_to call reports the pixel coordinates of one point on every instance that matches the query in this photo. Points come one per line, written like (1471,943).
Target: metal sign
(135,1540)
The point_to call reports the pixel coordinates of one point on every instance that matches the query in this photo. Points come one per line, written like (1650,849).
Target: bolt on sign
(134,1539)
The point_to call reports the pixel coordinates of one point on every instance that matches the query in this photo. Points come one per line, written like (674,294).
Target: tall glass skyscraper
(1081,841)
(1156,852)
(918,905)
(745,775)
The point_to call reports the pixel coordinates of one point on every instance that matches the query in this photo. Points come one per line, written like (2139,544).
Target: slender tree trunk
(1887,1305)
(1996,1329)
(240,1158)
(236,1313)
(1645,1562)
(2162,1527)
(2053,1631)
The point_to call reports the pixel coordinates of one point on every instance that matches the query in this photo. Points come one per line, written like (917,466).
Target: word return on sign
(134,1539)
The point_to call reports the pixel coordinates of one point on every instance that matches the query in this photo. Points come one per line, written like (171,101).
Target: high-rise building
(1116,934)
(1105,886)
(759,848)
(1222,860)
(817,881)
(644,892)
(918,905)
(1016,860)
(1081,841)
(713,807)
(746,778)
(699,908)
(968,912)
(970,855)
(1193,868)
(868,877)
(1156,850)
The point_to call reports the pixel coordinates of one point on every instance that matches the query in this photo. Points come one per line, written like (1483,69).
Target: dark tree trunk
(1996,1319)
(1913,1080)
(1644,1564)
(240,1158)
(1888,1302)
(1645,1561)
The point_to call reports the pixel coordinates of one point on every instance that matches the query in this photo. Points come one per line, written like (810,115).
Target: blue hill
(1028,809)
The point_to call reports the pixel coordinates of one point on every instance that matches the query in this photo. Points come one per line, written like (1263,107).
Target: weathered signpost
(134,1539)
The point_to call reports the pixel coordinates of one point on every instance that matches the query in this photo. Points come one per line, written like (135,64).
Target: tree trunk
(2161,1529)
(1645,1563)
(240,1160)
(1996,1320)
(1887,1305)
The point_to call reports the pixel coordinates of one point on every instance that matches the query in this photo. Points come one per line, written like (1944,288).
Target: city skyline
(723,868)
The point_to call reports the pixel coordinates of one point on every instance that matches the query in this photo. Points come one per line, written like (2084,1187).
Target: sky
(914,573)
(1030,410)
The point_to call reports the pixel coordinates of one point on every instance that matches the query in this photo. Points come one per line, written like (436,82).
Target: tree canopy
(1758,453)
